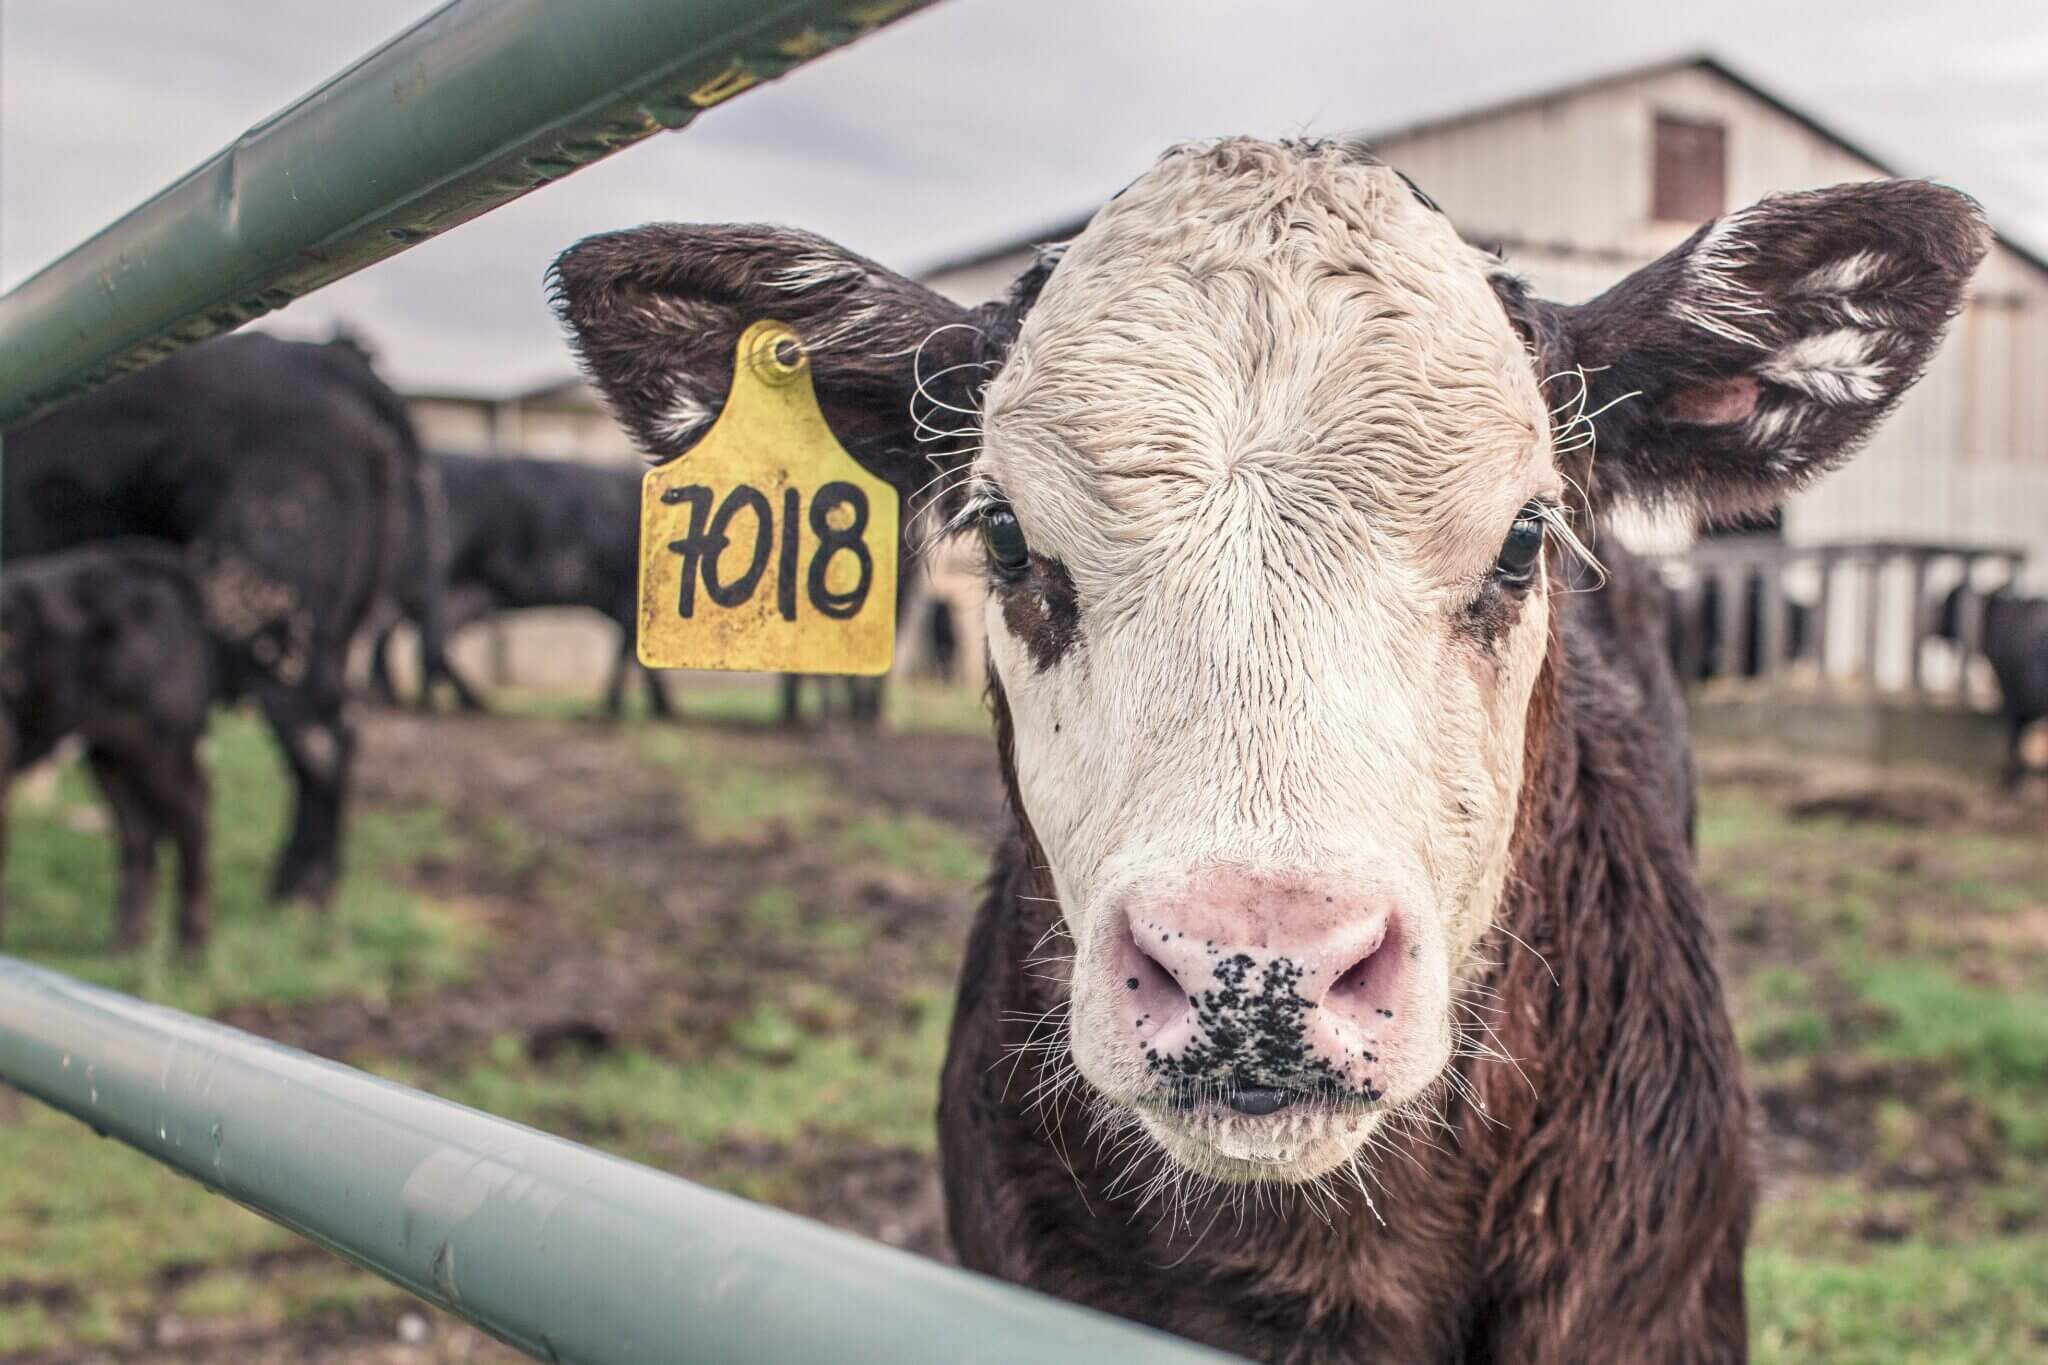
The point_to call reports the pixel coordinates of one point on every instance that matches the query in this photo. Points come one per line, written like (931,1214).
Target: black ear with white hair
(656,312)
(1761,352)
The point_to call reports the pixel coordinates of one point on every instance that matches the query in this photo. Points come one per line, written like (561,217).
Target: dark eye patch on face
(1036,592)
(1041,611)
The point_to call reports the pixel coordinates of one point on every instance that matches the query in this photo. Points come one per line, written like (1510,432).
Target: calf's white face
(1265,436)
(1265,466)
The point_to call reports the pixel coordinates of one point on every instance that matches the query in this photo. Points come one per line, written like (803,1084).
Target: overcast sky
(971,123)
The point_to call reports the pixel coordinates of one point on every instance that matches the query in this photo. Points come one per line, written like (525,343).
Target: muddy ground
(721,901)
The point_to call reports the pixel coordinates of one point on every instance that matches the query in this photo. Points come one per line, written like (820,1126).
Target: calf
(1343,991)
(527,533)
(2015,641)
(109,643)
(281,465)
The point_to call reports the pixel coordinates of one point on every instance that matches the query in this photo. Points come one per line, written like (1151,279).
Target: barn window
(1689,170)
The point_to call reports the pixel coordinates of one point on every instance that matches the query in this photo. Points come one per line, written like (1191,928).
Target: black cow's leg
(5,781)
(615,684)
(438,667)
(466,696)
(181,791)
(319,747)
(429,610)
(172,786)
(2015,757)
(792,701)
(864,702)
(657,693)
(382,687)
(135,831)
(462,607)
(434,670)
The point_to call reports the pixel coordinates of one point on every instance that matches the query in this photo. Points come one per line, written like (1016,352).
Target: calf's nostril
(1147,971)
(1152,995)
(1358,985)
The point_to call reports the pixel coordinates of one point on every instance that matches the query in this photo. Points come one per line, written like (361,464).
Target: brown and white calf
(1335,782)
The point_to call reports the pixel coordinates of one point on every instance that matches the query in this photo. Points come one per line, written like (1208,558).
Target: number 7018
(703,548)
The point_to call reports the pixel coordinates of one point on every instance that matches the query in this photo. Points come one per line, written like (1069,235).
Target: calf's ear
(655,313)
(1762,351)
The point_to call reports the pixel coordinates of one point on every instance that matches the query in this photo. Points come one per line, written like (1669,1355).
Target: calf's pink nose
(1236,980)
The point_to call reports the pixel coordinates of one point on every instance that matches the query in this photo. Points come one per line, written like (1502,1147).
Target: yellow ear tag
(766,546)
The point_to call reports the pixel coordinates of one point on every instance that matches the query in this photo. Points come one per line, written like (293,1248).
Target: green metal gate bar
(561,1251)
(477,104)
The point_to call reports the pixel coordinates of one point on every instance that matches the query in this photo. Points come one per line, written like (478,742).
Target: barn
(1577,186)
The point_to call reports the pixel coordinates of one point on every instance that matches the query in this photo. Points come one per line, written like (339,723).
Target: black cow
(2015,641)
(527,533)
(281,466)
(109,643)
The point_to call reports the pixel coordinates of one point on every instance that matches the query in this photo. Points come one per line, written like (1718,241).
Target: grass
(378,939)
(1935,1249)
(916,845)
(1916,1303)
(104,1224)
(736,699)
(933,708)
(779,1079)
(1776,1017)
(114,1235)
(730,800)
(777,914)
(1993,1039)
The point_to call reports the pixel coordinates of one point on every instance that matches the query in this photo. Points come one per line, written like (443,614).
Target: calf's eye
(1004,540)
(1522,550)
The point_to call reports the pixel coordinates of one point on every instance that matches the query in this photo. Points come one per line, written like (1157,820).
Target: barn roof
(1706,62)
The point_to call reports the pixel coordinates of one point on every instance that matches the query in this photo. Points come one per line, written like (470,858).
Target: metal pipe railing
(561,1251)
(480,102)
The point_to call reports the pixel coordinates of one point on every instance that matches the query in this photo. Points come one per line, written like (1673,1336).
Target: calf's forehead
(1292,319)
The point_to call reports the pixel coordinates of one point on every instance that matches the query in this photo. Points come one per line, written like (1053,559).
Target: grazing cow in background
(109,643)
(2015,642)
(280,465)
(528,533)
(1327,799)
